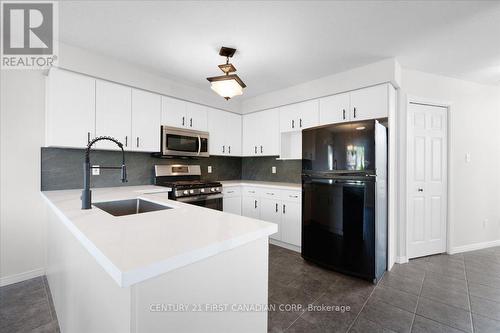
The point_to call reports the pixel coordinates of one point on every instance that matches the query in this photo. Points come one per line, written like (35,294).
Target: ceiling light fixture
(228,85)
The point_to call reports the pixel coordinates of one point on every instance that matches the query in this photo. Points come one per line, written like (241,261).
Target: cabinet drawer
(231,191)
(251,191)
(288,195)
(270,193)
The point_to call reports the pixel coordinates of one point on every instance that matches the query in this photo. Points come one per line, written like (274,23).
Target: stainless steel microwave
(183,142)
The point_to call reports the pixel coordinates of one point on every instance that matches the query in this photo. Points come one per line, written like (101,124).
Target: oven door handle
(199,145)
(200,198)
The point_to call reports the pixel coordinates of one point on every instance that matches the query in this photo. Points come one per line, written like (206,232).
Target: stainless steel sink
(129,207)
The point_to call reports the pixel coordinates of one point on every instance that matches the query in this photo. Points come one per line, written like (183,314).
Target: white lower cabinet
(270,211)
(279,206)
(250,207)
(291,231)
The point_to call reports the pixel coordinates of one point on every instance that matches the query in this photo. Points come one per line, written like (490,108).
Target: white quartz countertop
(278,185)
(137,247)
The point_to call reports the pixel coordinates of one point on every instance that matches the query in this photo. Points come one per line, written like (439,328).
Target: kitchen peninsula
(173,269)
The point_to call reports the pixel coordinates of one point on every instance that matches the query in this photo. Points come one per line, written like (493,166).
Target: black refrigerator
(344,198)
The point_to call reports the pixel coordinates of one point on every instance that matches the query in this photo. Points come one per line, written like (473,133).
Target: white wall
(22,212)
(83,61)
(474,128)
(387,70)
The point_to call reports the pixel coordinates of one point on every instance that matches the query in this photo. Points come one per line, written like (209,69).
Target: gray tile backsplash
(62,168)
(259,168)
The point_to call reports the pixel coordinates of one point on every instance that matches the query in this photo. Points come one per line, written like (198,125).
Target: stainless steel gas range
(187,186)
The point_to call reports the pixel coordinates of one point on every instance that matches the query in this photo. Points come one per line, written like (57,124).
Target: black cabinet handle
(343,114)
(293,123)
(276,208)
(137,142)
(183,121)
(229,149)
(223,149)
(300,122)
(284,209)
(261,150)
(255,203)
(355,112)
(191,122)
(88,137)
(256,149)
(126,141)
(420,189)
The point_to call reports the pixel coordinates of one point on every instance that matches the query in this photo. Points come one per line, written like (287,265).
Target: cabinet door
(270,211)
(292,223)
(71,109)
(308,114)
(289,118)
(232,205)
(196,117)
(250,207)
(250,134)
(146,113)
(370,103)
(217,131)
(173,112)
(267,132)
(113,114)
(233,133)
(334,109)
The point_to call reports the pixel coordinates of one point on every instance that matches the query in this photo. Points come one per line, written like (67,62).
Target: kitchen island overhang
(124,268)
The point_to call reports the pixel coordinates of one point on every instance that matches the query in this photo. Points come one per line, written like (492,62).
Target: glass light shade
(227,88)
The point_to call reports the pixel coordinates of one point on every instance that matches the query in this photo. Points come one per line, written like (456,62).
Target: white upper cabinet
(362,104)
(146,112)
(113,114)
(370,103)
(334,109)
(196,117)
(225,133)
(261,133)
(177,113)
(70,116)
(296,117)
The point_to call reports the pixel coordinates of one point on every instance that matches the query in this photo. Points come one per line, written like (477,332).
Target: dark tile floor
(442,293)
(27,307)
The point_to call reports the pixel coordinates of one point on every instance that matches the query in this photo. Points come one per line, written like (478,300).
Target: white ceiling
(283,43)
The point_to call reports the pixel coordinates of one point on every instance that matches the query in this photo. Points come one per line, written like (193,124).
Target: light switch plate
(209,169)
(96,172)
(273,169)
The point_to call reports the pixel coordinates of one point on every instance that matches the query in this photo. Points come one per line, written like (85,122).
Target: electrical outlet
(209,169)
(467,157)
(273,169)
(95,170)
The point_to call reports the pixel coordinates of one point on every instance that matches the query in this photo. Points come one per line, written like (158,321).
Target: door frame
(449,225)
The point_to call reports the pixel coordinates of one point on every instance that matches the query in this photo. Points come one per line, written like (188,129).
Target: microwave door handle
(199,145)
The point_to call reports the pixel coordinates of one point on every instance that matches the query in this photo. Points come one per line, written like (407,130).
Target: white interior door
(427,179)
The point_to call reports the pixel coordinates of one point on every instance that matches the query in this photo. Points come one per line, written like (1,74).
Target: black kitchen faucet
(87,193)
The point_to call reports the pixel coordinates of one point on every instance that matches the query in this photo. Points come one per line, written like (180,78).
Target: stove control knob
(186,192)
(212,189)
(217,189)
(191,191)
(202,190)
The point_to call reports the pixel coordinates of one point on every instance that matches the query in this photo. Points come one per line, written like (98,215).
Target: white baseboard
(285,245)
(474,247)
(4,281)
(401,260)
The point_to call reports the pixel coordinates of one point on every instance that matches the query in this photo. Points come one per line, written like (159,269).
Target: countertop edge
(232,183)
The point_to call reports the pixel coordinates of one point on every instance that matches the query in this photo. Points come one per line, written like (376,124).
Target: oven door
(213,201)
(180,142)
